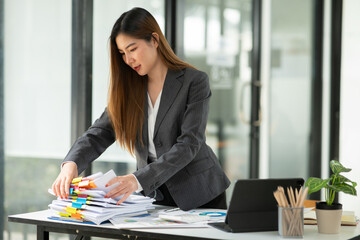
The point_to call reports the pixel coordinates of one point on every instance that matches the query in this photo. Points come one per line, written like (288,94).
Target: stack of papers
(87,202)
(161,218)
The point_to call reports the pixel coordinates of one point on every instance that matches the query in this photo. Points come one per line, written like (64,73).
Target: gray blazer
(185,164)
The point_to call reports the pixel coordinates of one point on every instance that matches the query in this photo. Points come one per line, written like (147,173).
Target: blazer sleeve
(92,143)
(188,142)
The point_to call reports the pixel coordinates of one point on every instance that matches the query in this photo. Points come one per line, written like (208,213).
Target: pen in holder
(291,221)
(291,213)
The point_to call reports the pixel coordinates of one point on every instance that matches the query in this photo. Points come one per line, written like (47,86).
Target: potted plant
(328,213)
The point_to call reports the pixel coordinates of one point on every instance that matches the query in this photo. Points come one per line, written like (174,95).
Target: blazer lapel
(170,90)
(145,134)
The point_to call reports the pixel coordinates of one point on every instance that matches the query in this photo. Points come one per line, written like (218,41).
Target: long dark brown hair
(126,98)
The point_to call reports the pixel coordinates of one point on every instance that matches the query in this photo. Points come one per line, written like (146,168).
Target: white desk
(45,225)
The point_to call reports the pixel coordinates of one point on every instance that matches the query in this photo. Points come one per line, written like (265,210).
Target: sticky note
(84,183)
(76,205)
(71,191)
(76,180)
(70,210)
(82,196)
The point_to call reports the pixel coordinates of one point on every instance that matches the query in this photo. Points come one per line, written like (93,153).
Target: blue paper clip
(81,200)
(76,205)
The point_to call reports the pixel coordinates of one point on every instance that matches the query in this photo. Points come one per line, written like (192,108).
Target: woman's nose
(128,59)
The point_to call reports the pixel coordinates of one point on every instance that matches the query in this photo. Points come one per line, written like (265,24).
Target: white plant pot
(329,218)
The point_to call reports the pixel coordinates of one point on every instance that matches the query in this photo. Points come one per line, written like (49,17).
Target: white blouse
(152,113)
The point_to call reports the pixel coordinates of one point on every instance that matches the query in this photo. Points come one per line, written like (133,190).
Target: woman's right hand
(62,183)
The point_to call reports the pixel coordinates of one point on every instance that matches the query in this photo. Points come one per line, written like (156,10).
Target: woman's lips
(137,68)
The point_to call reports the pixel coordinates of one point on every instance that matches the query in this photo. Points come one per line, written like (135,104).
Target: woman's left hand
(127,186)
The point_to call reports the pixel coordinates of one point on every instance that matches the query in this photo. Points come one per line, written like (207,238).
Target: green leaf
(337,167)
(341,179)
(316,184)
(336,182)
(344,187)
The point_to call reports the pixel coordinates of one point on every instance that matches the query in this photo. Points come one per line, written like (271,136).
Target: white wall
(350,100)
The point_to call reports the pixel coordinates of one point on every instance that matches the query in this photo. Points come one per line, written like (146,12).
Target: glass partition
(290,88)
(217,39)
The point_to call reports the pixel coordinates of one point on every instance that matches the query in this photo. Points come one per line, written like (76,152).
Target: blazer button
(158,144)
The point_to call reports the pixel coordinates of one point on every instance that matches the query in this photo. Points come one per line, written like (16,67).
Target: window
(217,39)
(105,14)
(37,82)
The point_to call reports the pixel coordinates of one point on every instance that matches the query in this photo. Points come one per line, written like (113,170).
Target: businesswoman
(157,110)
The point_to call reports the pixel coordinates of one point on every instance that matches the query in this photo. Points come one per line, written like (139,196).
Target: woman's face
(139,54)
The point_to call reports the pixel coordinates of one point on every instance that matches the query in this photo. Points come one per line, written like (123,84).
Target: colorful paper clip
(76,215)
(76,180)
(70,210)
(84,184)
(81,200)
(92,185)
(76,205)
(64,214)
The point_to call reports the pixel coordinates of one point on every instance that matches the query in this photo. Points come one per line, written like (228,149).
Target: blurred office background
(284,78)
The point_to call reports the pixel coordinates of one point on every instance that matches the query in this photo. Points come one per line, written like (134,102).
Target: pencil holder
(291,222)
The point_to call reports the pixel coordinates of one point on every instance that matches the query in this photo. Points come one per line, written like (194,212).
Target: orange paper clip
(92,185)
(76,215)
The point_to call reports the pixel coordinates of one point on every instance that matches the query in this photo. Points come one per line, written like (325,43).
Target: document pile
(87,202)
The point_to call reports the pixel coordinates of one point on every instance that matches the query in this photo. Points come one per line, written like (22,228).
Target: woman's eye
(132,50)
(121,53)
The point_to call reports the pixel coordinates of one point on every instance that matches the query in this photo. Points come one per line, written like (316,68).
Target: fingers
(64,187)
(67,186)
(116,192)
(114,180)
(123,198)
(62,183)
(55,187)
(121,189)
(127,185)
(61,186)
